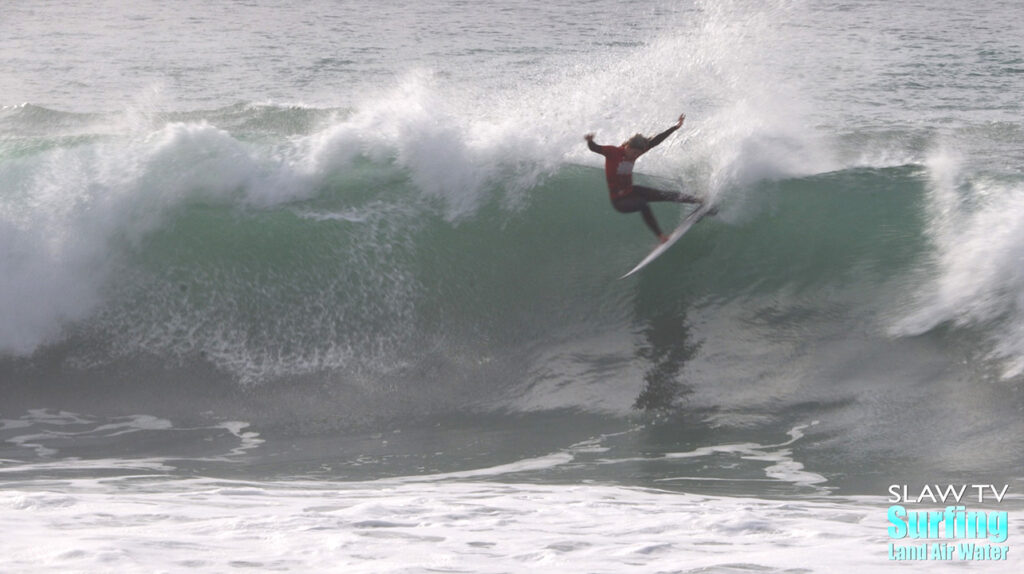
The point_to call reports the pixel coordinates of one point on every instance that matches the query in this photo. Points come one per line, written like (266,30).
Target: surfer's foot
(662,238)
(713,211)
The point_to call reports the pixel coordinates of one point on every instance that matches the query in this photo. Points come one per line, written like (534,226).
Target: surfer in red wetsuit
(618,168)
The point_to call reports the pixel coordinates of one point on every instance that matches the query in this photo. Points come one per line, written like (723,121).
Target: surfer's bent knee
(628,204)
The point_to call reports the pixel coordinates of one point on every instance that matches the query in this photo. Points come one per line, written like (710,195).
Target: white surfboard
(685,226)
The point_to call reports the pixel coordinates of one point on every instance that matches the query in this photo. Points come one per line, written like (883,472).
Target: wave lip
(68,212)
(972,279)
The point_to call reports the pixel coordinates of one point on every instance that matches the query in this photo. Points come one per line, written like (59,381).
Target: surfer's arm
(593,146)
(661,137)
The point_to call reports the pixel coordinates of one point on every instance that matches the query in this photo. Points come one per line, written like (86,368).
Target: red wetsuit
(617,170)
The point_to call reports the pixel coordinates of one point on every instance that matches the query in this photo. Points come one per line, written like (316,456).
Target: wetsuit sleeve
(594,147)
(661,137)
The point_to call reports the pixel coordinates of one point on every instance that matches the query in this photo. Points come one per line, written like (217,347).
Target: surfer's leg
(651,222)
(651,194)
(632,203)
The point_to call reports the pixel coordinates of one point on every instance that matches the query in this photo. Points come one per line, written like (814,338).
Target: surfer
(618,168)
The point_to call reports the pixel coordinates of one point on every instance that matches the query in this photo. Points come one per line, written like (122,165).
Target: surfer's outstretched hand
(682,118)
(589,137)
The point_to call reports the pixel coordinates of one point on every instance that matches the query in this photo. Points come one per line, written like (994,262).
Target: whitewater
(335,287)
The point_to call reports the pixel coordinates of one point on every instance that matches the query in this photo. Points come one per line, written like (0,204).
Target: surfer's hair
(639,141)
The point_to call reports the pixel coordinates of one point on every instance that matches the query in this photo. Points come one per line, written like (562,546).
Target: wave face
(274,256)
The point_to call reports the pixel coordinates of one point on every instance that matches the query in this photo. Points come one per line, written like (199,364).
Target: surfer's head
(636,146)
(639,142)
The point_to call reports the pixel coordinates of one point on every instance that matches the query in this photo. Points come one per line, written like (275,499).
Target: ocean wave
(358,242)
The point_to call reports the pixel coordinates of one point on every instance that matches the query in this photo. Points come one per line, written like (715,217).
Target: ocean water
(333,286)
